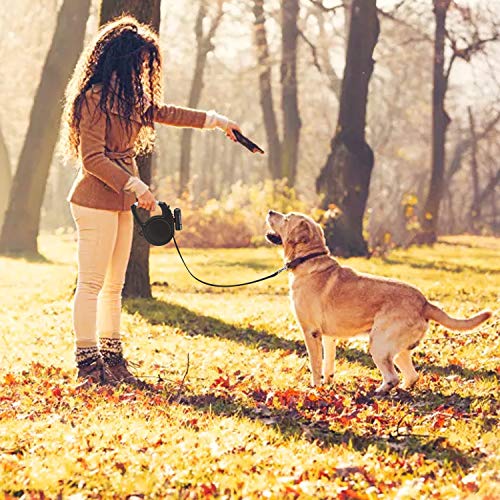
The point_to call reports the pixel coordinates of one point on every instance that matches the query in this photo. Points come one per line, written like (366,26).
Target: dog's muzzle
(274,238)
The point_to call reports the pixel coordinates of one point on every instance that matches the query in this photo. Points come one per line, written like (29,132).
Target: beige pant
(104,243)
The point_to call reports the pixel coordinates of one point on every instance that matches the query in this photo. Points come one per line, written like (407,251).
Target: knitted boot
(112,354)
(91,367)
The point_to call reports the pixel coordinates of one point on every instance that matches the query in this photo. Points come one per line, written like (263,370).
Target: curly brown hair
(125,58)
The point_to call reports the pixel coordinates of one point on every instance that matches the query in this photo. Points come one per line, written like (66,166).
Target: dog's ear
(302,233)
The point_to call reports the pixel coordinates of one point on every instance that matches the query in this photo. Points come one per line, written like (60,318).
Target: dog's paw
(408,384)
(385,388)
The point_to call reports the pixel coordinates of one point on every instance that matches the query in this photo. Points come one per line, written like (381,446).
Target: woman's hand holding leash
(147,201)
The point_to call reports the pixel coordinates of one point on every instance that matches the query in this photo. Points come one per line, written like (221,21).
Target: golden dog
(331,301)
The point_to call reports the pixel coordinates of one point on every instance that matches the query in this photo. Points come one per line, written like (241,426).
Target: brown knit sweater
(106,155)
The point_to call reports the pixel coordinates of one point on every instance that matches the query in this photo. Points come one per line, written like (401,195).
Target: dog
(333,302)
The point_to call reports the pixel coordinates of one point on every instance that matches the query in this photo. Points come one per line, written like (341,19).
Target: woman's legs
(109,305)
(104,243)
(97,231)
(110,297)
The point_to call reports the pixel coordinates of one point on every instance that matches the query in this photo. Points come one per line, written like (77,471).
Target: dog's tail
(433,312)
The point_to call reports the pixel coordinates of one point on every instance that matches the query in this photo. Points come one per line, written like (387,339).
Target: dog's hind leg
(329,352)
(404,363)
(313,344)
(413,334)
(382,353)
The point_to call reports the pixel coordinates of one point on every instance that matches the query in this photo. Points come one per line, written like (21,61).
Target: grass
(240,420)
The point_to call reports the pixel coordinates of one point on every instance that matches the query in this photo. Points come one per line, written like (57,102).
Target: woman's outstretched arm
(179,116)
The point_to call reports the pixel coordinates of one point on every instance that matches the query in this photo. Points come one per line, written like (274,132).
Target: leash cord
(227,286)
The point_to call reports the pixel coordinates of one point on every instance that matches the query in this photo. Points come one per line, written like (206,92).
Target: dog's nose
(271,212)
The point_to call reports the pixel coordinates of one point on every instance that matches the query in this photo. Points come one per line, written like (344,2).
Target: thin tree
(137,283)
(475,211)
(204,45)
(22,219)
(266,92)
(283,154)
(289,99)
(440,122)
(321,53)
(488,191)
(463,146)
(478,195)
(440,118)
(5,176)
(345,178)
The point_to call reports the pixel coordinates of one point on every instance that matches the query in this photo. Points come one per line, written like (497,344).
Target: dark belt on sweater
(122,156)
(126,155)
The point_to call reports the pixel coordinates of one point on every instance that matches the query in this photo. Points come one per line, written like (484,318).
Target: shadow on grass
(291,424)
(32,257)
(355,355)
(465,244)
(438,265)
(453,369)
(158,312)
(257,266)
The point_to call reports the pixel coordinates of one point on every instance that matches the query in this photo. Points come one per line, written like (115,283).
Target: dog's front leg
(313,344)
(329,352)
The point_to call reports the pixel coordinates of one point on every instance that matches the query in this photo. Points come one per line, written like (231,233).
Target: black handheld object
(178,219)
(247,142)
(159,229)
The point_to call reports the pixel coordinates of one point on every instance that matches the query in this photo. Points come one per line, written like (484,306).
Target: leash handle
(165,210)
(227,286)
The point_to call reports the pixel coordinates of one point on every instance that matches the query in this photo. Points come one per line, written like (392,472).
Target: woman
(112,100)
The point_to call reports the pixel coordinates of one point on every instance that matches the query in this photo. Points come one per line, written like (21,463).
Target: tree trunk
(464,145)
(448,195)
(494,211)
(266,93)
(488,190)
(212,190)
(440,121)
(475,212)
(145,11)
(5,177)
(203,47)
(137,283)
(233,159)
(345,178)
(289,101)
(334,81)
(22,219)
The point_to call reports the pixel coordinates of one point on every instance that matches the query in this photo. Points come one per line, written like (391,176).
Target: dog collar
(299,260)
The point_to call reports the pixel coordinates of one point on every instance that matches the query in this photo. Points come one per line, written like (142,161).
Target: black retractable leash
(160,229)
